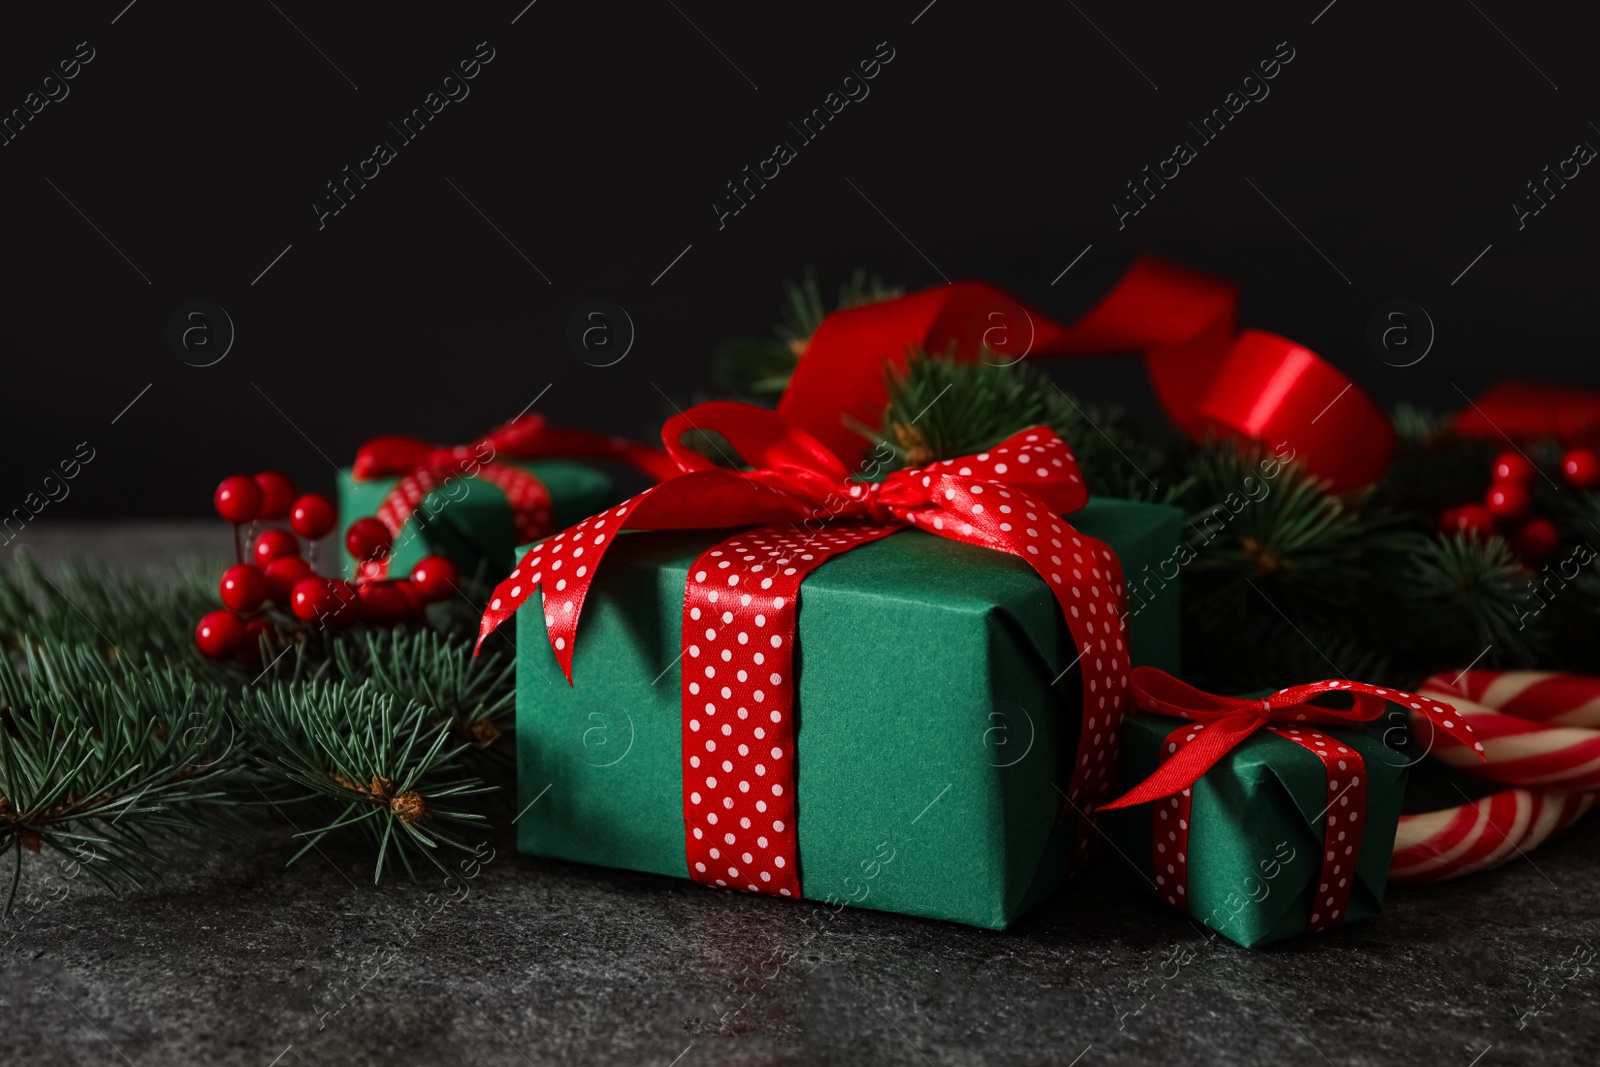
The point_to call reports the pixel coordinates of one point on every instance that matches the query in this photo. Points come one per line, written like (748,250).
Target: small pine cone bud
(912,444)
(409,807)
(483,733)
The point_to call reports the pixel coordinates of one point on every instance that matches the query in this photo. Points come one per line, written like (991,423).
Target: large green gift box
(937,708)
(473,525)
(1256,830)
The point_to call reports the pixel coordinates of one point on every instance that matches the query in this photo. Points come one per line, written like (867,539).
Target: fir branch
(125,761)
(761,367)
(940,407)
(1463,594)
(377,764)
(472,697)
(1414,424)
(1283,529)
(92,606)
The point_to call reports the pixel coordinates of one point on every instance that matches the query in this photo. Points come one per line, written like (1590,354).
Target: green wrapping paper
(1256,829)
(936,713)
(473,526)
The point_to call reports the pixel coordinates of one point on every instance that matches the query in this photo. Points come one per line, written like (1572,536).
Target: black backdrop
(185,158)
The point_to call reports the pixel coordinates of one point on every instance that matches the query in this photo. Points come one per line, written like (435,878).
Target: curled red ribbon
(1208,379)
(423,468)
(740,604)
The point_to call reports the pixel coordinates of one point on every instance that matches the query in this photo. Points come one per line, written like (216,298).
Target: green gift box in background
(937,713)
(470,520)
(476,503)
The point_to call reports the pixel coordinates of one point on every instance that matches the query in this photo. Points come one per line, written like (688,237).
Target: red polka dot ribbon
(1218,724)
(741,598)
(423,469)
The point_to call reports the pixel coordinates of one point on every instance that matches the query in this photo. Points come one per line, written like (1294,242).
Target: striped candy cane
(1541,733)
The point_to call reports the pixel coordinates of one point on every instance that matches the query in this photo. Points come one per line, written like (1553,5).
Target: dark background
(596,140)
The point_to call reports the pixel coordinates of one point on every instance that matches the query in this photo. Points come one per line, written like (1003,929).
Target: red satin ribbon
(741,597)
(1257,384)
(1526,412)
(1218,724)
(423,468)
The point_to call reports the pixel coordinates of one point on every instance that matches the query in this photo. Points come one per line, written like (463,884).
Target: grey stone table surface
(239,960)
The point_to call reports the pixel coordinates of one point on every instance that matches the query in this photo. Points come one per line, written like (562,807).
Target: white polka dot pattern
(1344,821)
(1169,831)
(738,686)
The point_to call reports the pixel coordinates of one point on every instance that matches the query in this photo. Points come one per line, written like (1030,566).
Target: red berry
(368,539)
(282,574)
(255,629)
(1536,540)
(330,600)
(383,602)
(1582,468)
(277,493)
(244,587)
(220,634)
(347,603)
(312,598)
(274,544)
(238,499)
(312,516)
(1507,500)
(250,651)
(435,577)
(1471,518)
(415,607)
(1512,467)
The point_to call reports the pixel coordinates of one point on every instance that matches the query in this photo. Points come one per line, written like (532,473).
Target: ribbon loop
(1206,376)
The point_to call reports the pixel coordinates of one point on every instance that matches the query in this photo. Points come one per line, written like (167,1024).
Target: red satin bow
(1229,720)
(796,480)
(423,468)
(737,679)
(1257,384)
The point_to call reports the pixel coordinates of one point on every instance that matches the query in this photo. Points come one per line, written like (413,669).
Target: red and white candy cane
(1541,733)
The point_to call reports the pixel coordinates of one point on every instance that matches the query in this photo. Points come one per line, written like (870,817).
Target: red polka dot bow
(739,610)
(1229,720)
(424,469)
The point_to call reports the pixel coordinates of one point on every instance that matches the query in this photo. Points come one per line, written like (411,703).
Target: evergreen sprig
(1461,593)
(98,756)
(761,367)
(472,697)
(383,766)
(90,606)
(940,407)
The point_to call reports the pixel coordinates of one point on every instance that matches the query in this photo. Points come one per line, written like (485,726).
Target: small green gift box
(470,519)
(1256,846)
(937,703)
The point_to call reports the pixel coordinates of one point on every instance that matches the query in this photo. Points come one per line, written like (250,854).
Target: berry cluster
(1507,503)
(271,569)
